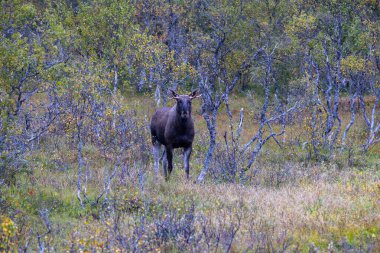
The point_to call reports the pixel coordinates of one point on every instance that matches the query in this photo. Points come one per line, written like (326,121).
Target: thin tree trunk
(211,125)
(352,121)
(330,110)
(336,116)
(115,82)
(80,160)
(315,103)
(259,135)
(373,129)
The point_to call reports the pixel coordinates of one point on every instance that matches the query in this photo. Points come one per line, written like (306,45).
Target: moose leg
(169,156)
(165,163)
(186,160)
(156,156)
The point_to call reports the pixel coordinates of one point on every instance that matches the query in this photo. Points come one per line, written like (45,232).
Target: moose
(174,128)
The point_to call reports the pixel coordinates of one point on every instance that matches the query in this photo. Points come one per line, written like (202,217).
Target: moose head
(183,106)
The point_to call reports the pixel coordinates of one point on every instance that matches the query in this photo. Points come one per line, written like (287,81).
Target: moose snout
(185,114)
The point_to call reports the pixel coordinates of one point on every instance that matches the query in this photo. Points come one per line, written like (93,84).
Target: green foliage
(105,28)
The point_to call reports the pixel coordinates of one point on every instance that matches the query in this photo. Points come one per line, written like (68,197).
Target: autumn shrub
(7,232)
(223,168)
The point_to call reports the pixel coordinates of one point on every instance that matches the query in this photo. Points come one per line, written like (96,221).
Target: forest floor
(288,204)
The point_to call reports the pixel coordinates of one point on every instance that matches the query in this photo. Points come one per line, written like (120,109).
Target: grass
(288,203)
(340,207)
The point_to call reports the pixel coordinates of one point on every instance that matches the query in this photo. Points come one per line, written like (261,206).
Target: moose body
(174,128)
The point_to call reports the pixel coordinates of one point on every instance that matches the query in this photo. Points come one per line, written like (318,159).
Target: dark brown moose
(173,128)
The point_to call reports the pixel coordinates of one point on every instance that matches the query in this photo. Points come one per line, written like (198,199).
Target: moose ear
(194,94)
(174,94)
